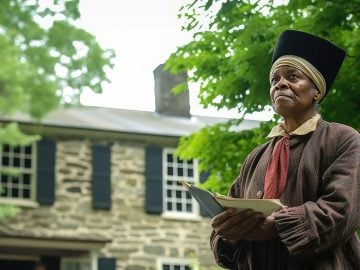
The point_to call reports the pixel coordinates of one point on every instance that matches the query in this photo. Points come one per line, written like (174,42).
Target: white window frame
(195,214)
(176,261)
(30,202)
(65,260)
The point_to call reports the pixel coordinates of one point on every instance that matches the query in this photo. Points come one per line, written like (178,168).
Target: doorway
(16,264)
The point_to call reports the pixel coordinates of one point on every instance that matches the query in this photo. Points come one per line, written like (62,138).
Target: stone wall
(138,239)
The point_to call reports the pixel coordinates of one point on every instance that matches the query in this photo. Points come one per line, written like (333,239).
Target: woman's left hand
(264,230)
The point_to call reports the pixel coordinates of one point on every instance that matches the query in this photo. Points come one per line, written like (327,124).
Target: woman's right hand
(233,225)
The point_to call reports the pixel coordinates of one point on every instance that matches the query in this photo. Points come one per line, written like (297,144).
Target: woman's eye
(292,76)
(273,80)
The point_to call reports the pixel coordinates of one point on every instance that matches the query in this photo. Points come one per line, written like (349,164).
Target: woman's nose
(281,83)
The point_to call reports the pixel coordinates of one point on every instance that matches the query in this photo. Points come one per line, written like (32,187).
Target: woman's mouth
(282,97)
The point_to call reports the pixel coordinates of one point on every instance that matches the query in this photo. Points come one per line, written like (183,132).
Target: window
(17,173)
(169,266)
(176,264)
(75,264)
(176,199)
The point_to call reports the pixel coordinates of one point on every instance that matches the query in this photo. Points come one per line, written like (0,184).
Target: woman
(311,165)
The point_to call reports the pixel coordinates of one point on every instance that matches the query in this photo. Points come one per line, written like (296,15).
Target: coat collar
(307,127)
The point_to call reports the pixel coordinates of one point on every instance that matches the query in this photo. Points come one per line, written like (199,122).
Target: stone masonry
(138,239)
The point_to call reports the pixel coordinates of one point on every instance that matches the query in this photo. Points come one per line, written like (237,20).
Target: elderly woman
(311,165)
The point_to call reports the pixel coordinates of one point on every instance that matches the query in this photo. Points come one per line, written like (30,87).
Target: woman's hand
(232,226)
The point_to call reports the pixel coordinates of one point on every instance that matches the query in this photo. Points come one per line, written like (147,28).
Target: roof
(126,121)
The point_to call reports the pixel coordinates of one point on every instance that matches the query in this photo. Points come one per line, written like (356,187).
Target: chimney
(166,102)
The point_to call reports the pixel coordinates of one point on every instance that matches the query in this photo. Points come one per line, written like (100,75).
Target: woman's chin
(282,109)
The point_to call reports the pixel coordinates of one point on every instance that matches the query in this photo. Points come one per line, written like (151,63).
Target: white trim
(51,244)
(34,173)
(19,257)
(94,260)
(81,260)
(21,201)
(180,216)
(174,214)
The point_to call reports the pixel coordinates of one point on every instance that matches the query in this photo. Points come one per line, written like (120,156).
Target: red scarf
(277,170)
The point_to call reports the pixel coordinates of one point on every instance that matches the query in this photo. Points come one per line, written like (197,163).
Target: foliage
(221,143)
(230,58)
(46,61)
(8,211)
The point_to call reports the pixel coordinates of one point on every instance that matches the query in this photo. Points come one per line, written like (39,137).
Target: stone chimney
(166,102)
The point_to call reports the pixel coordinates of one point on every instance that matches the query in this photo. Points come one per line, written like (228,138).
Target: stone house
(100,190)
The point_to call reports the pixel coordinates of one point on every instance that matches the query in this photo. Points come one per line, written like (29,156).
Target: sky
(143,34)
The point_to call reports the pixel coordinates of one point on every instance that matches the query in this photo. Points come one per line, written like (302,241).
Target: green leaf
(230,56)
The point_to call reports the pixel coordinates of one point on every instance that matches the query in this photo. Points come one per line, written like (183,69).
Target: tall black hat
(322,54)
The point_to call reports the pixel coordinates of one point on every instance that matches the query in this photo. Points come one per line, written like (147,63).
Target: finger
(220,218)
(242,228)
(229,219)
(251,225)
(234,222)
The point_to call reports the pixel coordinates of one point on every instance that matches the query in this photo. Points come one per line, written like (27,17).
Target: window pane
(4,178)
(170,171)
(15,179)
(27,163)
(86,266)
(190,172)
(5,161)
(6,148)
(169,206)
(169,158)
(178,207)
(177,267)
(28,149)
(16,162)
(178,194)
(15,193)
(26,194)
(189,207)
(26,179)
(166,267)
(180,172)
(169,183)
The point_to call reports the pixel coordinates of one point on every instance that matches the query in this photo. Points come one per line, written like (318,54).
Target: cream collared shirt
(307,127)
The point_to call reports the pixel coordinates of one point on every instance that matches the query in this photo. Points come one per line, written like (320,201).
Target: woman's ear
(317,95)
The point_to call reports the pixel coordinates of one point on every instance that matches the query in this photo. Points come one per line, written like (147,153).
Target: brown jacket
(317,229)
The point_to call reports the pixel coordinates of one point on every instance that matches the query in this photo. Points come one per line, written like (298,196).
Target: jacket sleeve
(314,227)
(233,257)
(228,256)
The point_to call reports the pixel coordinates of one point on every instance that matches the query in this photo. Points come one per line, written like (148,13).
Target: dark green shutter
(45,190)
(101,176)
(154,185)
(203,177)
(106,264)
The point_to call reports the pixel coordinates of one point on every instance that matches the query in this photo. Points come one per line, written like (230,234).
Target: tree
(230,58)
(46,61)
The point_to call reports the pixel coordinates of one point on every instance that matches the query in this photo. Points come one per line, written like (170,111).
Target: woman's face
(292,93)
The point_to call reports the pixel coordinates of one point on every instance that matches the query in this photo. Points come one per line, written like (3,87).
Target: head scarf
(305,67)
